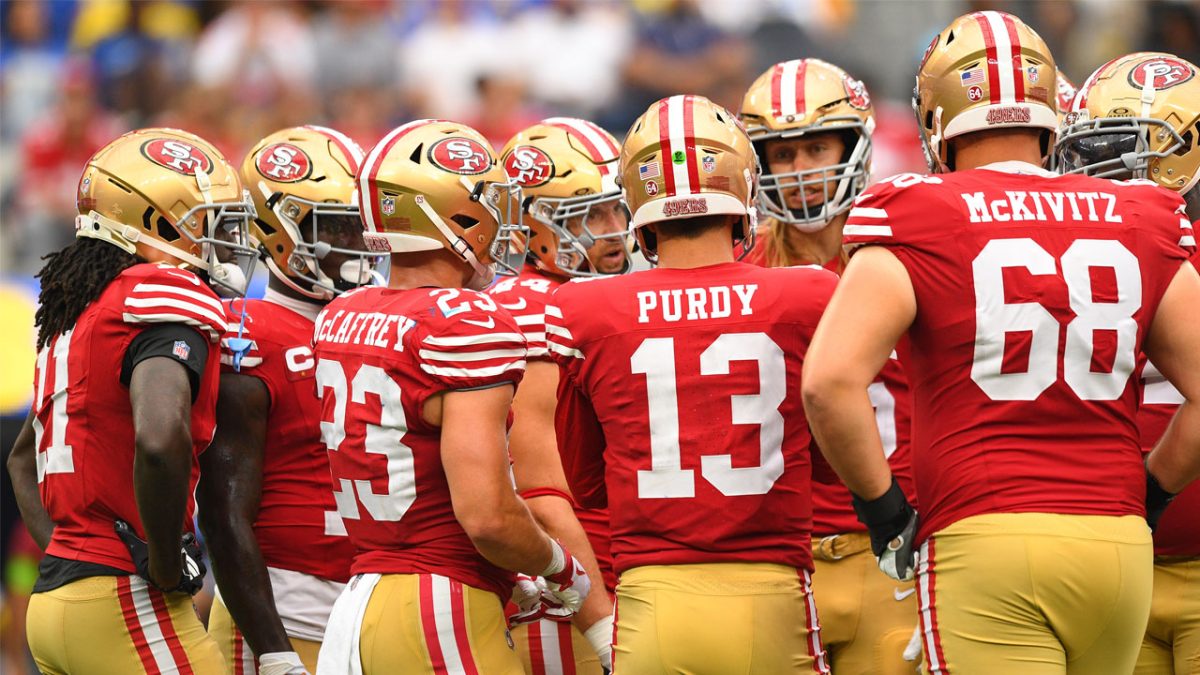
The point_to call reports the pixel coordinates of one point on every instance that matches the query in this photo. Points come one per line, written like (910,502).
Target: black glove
(192,579)
(1157,500)
(892,522)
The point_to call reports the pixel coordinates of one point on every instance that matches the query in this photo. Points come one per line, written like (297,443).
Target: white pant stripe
(923,581)
(443,616)
(140,592)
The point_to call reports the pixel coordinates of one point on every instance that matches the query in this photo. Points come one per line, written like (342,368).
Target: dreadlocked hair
(72,279)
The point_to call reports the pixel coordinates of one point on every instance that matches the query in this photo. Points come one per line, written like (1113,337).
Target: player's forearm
(843,422)
(504,532)
(1175,461)
(557,517)
(160,489)
(22,469)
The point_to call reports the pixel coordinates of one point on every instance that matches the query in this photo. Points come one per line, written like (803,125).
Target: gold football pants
(1172,642)
(118,626)
(1035,593)
(555,648)
(237,653)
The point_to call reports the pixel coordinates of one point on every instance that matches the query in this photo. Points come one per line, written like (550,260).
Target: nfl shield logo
(709,163)
(181,349)
(388,205)
(1033,73)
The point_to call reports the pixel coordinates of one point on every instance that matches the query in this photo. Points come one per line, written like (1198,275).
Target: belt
(838,546)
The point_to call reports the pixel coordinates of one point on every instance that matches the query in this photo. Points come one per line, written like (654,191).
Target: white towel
(339,651)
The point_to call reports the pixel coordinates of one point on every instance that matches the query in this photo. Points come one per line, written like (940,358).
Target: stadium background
(76,73)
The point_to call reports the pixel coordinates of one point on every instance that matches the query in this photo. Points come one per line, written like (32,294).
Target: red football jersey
(1035,292)
(84,421)
(381,353)
(679,407)
(298,527)
(833,511)
(525,296)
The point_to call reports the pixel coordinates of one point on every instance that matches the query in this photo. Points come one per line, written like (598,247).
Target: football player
(279,551)
(811,126)
(577,226)
(125,390)
(1138,118)
(1027,297)
(416,382)
(678,410)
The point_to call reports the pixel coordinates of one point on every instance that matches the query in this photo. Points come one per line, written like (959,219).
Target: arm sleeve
(474,348)
(172,295)
(174,341)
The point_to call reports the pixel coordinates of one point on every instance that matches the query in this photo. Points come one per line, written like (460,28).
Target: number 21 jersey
(1034,293)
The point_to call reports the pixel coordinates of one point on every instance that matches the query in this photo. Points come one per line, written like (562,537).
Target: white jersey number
(655,358)
(57,457)
(385,438)
(994,318)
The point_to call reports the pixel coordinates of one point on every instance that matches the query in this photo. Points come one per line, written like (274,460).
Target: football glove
(281,663)
(892,523)
(566,579)
(1157,499)
(192,578)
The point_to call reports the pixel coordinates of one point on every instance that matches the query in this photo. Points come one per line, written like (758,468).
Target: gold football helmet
(433,184)
(565,167)
(1066,94)
(986,70)
(164,192)
(809,96)
(1137,116)
(295,177)
(685,157)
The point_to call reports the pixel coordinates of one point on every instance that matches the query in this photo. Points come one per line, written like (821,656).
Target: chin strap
(457,243)
(128,237)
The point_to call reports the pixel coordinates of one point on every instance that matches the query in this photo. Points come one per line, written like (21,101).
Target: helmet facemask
(309,236)
(838,183)
(571,249)
(1114,147)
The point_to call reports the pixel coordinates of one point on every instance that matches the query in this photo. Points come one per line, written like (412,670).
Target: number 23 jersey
(381,355)
(679,406)
(1034,293)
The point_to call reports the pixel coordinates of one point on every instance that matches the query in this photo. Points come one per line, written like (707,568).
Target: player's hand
(191,578)
(566,579)
(281,663)
(1157,500)
(892,522)
(534,602)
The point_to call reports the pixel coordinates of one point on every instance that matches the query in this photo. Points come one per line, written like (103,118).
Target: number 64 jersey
(1035,293)
(679,407)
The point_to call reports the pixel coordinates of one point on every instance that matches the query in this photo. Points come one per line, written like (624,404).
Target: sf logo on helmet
(460,155)
(176,155)
(284,163)
(529,165)
(1162,73)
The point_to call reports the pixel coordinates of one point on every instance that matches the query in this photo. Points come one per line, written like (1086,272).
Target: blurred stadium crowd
(76,73)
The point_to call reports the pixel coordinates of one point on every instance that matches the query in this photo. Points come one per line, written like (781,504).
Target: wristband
(558,560)
(888,508)
(280,663)
(599,636)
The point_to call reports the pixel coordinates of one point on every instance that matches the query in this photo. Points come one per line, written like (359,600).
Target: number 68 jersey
(1035,293)
(381,355)
(679,407)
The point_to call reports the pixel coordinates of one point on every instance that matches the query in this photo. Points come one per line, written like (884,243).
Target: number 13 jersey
(1034,294)
(679,406)
(381,355)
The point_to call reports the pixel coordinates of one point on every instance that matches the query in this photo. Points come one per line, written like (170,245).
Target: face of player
(340,232)
(607,255)
(806,153)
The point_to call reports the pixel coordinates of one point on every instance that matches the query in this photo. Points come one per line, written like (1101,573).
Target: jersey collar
(1018,167)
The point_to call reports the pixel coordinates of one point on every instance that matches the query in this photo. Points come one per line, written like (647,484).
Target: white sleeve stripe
(559,331)
(535,337)
(163,317)
(464,340)
(538,351)
(1187,241)
(553,311)
(473,372)
(1185,224)
(530,319)
(218,320)
(563,350)
(867,230)
(867,212)
(150,289)
(471,356)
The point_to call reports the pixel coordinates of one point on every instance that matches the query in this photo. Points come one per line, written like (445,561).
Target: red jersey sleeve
(165,294)
(525,297)
(471,343)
